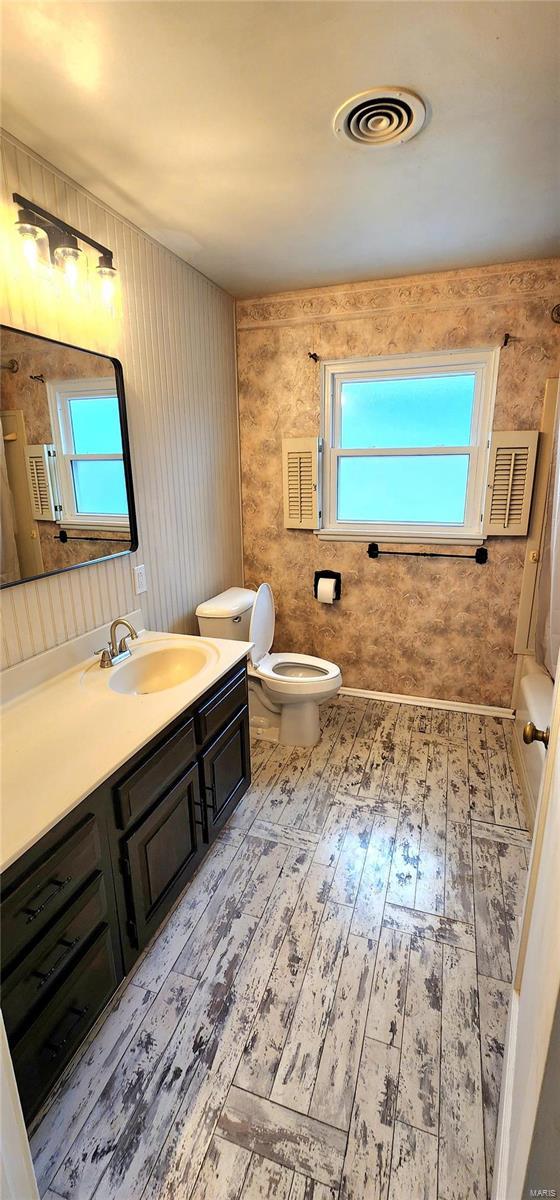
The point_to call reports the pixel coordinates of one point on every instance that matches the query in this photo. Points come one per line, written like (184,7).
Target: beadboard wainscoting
(178,353)
(409,626)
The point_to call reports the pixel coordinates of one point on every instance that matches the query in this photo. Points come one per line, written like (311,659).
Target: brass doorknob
(532,734)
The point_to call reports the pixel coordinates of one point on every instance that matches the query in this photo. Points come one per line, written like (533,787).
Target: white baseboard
(485,710)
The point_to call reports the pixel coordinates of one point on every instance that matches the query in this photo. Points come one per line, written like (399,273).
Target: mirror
(65,478)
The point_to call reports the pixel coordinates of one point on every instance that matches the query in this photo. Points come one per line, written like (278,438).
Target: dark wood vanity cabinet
(61,947)
(224,770)
(78,907)
(160,854)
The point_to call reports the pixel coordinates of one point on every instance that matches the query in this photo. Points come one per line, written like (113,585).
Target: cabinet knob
(532,734)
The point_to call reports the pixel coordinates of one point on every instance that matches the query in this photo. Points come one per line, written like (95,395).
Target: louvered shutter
(300,468)
(511,473)
(42,487)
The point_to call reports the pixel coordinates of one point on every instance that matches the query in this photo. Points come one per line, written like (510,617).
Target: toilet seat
(292,676)
(303,676)
(261,631)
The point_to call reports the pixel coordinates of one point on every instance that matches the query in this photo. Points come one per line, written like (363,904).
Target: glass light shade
(106,277)
(35,243)
(107,288)
(71,261)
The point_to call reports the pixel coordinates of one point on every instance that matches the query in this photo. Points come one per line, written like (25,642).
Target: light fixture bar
(63,226)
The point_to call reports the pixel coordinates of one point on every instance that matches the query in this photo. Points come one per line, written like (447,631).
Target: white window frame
(60,392)
(484,365)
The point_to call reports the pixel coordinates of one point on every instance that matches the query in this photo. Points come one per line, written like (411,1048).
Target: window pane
(434,411)
(99,487)
(96,426)
(422,488)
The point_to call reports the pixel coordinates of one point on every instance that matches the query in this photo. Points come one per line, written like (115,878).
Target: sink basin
(158,670)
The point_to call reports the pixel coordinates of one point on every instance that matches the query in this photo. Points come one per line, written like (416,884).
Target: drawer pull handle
(65,1029)
(44,976)
(57,885)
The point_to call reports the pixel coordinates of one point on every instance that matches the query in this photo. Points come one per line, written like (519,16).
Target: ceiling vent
(380,116)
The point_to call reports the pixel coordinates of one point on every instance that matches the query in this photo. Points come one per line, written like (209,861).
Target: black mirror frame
(127,462)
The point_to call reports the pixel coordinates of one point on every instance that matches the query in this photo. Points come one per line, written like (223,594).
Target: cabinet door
(160,855)
(226,772)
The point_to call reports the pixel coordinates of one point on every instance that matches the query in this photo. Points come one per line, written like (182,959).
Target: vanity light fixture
(48,238)
(35,238)
(69,259)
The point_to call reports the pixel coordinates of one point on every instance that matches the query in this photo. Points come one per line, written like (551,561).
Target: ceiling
(210,126)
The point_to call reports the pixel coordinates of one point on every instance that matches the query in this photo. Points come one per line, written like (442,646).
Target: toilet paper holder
(328,575)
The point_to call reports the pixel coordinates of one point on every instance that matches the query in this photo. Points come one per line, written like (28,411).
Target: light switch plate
(140,581)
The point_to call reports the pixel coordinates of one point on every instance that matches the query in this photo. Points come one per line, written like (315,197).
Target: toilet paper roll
(325,591)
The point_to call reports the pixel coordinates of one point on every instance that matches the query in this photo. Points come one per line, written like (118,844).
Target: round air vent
(380,116)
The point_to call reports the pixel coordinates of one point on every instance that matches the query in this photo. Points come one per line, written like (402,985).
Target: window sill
(338,535)
(113,527)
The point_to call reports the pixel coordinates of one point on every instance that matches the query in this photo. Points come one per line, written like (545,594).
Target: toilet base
(288,725)
(299,724)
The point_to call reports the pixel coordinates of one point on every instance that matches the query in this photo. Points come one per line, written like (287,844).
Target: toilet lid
(262,623)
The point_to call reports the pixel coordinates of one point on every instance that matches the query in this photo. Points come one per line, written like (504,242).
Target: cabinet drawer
(159,855)
(33,980)
(216,711)
(50,1041)
(226,771)
(41,896)
(150,780)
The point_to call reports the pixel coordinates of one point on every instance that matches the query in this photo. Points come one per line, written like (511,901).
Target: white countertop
(63,738)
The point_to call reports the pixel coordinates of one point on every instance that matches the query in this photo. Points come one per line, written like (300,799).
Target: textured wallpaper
(424,627)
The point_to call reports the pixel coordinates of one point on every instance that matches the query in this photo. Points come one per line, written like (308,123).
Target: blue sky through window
(423,488)
(96,426)
(433,411)
(405,413)
(99,486)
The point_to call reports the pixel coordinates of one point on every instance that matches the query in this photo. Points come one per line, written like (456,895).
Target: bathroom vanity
(82,901)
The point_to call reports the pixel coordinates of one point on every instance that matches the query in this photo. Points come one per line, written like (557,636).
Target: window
(89,454)
(406,446)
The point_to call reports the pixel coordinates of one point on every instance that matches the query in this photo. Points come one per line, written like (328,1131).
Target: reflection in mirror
(65,480)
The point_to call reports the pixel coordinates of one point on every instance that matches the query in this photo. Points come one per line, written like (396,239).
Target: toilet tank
(227,615)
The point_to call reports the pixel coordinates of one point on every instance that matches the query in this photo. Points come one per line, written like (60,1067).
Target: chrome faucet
(116,652)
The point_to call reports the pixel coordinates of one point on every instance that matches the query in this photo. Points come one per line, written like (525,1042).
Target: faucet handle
(105,657)
(123,648)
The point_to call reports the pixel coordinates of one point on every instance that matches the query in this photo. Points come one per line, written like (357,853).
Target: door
(17,1178)
(226,772)
(536,990)
(28,541)
(160,856)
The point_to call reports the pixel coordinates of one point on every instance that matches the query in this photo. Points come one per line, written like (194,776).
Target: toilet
(285,690)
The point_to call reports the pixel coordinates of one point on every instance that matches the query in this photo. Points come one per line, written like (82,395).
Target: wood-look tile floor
(323,1015)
